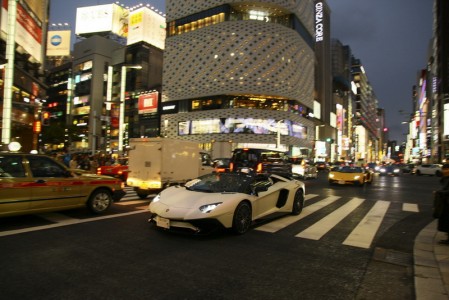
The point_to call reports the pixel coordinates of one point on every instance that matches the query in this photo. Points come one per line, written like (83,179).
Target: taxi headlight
(357,177)
(331,175)
(209,207)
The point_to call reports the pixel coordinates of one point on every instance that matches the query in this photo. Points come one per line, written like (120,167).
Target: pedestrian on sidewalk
(441,208)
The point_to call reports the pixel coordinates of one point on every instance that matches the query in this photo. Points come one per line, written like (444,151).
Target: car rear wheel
(241,221)
(298,203)
(99,201)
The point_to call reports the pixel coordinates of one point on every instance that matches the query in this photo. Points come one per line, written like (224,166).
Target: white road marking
(68,222)
(288,220)
(132,202)
(310,196)
(363,234)
(410,207)
(320,228)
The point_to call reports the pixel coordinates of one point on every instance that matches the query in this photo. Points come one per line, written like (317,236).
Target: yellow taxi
(350,175)
(31,183)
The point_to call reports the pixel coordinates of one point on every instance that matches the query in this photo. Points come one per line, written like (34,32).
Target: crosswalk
(362,236)
(326,213)
(131,198)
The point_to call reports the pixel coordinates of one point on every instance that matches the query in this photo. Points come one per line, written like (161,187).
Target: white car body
(428,169)
(305,171)
(178,207)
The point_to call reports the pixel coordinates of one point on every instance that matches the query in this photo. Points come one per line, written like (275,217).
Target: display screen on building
(148,26)
(58,43)
(28,30)
(102,18)
(242,125)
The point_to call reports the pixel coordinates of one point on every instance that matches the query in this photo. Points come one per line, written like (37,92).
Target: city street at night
(121,256)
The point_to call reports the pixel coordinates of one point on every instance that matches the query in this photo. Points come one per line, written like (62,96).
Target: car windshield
(224,182)
(347,169)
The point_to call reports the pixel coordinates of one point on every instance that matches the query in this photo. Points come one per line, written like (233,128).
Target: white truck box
(156,163)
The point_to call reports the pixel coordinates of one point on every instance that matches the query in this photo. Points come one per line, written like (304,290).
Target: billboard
(148,26)
(58,43)
(102,18)
(148,103)
(28,30)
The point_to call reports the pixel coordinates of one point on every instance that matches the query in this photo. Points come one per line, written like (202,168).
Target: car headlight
(331,175)
(382,170)
(157,198)
(396,170)
(357,177)
(209,207)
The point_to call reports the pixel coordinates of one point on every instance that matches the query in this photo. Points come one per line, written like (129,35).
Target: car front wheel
(298,203)
(241,221)
(99,201)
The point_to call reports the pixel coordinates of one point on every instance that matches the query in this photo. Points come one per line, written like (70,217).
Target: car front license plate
(341,182)
(163,222)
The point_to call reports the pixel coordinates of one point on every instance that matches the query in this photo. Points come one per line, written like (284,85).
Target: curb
(431,264)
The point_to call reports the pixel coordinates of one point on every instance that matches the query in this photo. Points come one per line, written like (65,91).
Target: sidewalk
(431,264)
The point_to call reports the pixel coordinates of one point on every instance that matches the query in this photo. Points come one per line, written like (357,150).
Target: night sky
(390,37)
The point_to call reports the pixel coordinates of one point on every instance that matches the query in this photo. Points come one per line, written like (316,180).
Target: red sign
(148,103)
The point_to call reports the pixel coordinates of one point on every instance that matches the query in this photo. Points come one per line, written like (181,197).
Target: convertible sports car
(225,200)
(350,175)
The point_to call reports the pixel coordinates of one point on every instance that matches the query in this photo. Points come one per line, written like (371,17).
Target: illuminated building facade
(367,128)
(22,54)
(238,73)
(438,82)
(113,81)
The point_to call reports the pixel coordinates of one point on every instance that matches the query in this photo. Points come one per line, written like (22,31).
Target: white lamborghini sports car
(225,200)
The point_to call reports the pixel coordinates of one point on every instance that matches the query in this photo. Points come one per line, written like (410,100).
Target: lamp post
(9,71)
(121,123)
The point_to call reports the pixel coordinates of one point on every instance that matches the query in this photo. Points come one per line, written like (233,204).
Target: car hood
(180,197)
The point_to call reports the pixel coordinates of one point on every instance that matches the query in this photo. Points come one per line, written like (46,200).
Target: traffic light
(45,118)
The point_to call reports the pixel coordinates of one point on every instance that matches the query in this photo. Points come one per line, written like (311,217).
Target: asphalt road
(121,256)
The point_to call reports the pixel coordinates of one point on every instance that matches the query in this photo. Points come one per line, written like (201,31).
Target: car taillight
(259,168)
(231,167)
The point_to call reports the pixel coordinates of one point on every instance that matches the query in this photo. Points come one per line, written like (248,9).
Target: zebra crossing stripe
(363,234)
(410,207)
(320,228)
(277,225)
(310,196)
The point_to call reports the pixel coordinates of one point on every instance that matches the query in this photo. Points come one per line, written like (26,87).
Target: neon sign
(319,26)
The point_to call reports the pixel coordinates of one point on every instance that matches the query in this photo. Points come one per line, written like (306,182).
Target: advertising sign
(102,18)
(148,103)
(58,43)
(28,30)
(148,26)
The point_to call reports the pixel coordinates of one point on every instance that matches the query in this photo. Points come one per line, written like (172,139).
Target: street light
(9,72)
(121,122)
